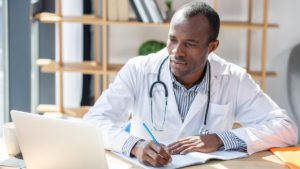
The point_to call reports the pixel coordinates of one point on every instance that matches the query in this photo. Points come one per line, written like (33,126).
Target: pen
(151,135)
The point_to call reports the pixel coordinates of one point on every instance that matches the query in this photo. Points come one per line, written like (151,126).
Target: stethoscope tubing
(158,81)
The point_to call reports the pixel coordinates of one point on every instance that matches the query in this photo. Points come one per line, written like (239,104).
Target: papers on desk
(289,155)
(179,161)
(12,163)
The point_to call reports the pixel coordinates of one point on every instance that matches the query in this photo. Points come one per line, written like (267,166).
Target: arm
(111,110)
(264,124)
(110,113)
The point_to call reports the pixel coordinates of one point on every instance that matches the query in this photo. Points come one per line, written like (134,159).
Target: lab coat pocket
(219,117)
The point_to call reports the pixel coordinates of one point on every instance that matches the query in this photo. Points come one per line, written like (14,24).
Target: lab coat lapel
(197,109)
(199,104)
(172,108)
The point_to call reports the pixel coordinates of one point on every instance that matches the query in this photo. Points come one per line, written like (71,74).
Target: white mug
(10,139)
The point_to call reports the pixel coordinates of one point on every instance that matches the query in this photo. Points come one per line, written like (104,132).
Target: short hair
(197,7)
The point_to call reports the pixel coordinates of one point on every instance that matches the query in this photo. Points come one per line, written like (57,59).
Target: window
(3,65)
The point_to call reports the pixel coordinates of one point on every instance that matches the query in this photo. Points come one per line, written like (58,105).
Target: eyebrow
(189,40)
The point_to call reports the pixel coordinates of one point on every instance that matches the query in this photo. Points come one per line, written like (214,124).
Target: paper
(179,161)
(12,162)
(289,155)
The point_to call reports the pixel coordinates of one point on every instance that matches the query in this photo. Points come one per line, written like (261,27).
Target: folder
(289,155)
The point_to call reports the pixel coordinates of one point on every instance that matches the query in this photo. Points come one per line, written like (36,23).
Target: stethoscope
(203,129)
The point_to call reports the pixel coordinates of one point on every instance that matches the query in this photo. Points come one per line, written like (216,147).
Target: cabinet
(102,67)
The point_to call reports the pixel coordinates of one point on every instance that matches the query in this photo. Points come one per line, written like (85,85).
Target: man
(189,97)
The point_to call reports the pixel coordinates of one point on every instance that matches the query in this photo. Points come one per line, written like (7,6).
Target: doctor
(189,97)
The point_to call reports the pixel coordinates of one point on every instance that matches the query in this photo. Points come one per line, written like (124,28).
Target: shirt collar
(199,86)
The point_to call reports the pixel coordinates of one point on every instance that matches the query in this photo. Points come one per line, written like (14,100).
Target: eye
(172,40)
(190,44)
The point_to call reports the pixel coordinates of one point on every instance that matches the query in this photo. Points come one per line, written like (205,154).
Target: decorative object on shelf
(170,11)
(151,46)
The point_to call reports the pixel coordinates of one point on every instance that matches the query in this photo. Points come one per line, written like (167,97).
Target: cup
(10,139)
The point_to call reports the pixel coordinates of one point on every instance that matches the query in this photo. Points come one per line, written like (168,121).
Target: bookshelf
(102,68)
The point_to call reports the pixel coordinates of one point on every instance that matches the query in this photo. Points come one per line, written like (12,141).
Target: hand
(204,143)
(150,153)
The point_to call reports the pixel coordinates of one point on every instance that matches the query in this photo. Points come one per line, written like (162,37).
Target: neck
(189,81)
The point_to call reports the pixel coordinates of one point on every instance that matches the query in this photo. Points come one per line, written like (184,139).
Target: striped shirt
(184,98)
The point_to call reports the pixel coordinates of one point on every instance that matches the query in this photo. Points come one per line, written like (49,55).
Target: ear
(213,46)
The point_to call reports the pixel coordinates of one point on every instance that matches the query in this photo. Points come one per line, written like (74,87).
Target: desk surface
(264,160)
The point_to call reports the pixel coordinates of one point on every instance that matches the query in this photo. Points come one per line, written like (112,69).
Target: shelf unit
(104,69)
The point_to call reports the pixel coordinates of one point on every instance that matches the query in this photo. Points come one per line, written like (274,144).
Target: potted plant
(150,46)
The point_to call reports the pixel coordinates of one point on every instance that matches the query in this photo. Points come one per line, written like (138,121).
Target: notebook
(194,158)
(289,155)
(53,143)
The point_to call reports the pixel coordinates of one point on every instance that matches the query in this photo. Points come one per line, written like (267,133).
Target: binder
(141,11)
(135,10)
(289,155)
(154,11)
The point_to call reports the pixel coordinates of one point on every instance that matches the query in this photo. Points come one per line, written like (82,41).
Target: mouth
(178,62)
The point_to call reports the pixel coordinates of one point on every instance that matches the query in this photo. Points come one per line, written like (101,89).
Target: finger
(180,144)
(147,160)
(178,150)
(161,150)
(156,159)
(191,149)
(180,140)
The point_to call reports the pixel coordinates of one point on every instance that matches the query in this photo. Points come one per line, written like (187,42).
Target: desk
(264,160)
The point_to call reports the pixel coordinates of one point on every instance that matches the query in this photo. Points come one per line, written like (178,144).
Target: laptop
(53,143)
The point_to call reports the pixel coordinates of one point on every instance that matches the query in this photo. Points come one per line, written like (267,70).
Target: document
(194,158)
(289,155)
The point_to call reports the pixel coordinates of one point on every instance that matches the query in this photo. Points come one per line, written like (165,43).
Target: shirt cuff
(231,141)
(128,145)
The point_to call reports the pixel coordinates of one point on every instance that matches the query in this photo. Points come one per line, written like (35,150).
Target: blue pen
(151,135)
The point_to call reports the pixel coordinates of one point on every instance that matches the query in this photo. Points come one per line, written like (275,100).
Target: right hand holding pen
(149,153)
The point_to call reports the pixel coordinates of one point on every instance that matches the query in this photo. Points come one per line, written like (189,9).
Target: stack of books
(146,11)
(118,10)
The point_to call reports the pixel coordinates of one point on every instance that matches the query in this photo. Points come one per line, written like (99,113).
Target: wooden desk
(261,160)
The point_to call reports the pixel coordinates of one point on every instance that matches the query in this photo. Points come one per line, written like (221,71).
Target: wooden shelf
(245,25)
(75,112)
(91,67)
(46,17)
(85,67)
(224,24)
(258,74)
(137,23)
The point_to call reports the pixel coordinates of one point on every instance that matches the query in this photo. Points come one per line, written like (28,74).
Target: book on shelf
(136,12)
(112,10)
(123,6)
(194,158)
(141,10)
(154,11)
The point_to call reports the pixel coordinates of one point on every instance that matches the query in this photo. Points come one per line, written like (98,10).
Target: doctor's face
(188,46)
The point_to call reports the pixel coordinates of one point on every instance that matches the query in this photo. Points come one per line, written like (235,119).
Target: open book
(179,161)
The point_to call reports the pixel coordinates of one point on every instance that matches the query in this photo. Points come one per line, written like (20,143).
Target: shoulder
(222,67)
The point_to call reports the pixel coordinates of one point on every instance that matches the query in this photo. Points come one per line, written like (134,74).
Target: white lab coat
(234,97)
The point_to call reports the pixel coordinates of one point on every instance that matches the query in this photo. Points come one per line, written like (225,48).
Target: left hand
(203,143)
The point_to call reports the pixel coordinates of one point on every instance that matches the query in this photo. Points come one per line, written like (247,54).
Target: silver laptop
(52,143)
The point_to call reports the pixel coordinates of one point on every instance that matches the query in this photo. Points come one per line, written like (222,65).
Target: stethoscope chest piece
(204,130)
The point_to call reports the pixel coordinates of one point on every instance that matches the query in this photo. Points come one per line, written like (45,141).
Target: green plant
(169,4)
(151,46)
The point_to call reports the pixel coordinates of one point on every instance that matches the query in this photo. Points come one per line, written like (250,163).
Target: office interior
(24,40)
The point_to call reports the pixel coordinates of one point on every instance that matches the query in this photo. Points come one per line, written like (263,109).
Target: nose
(178,49)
